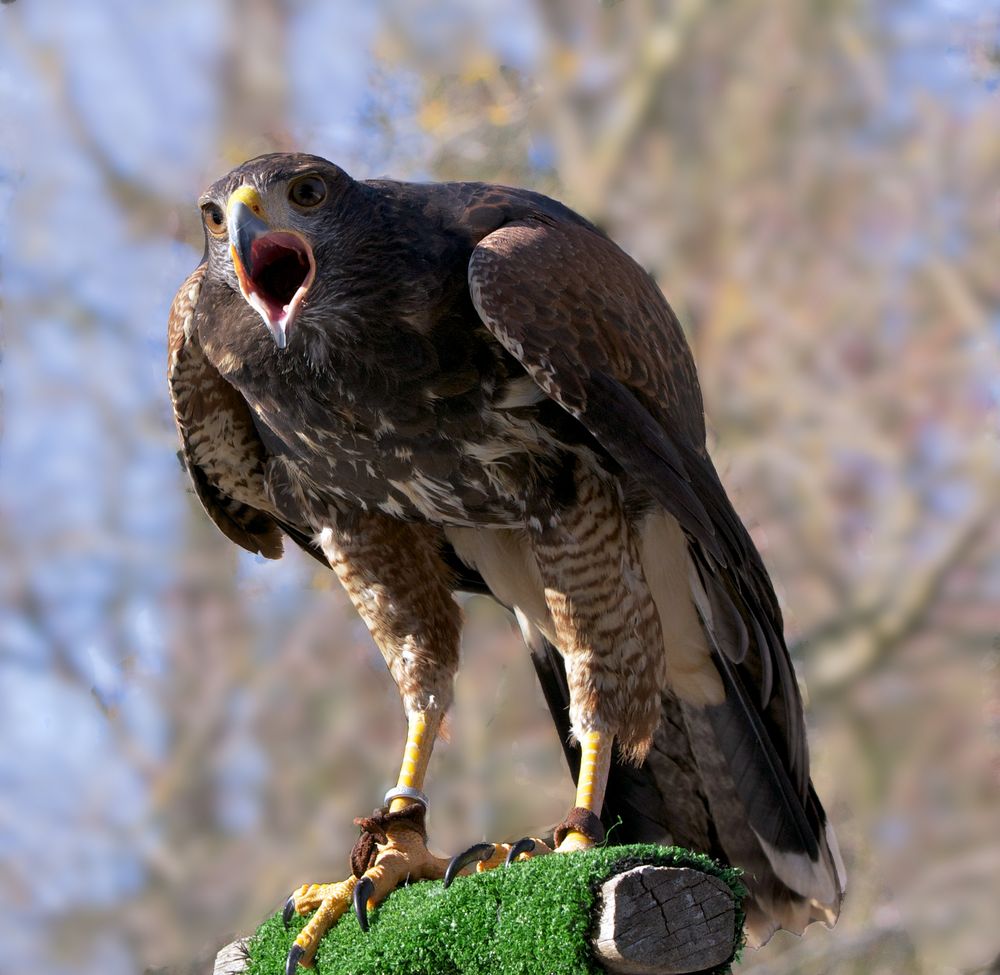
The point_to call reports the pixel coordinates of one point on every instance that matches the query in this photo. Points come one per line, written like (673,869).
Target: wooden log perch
(646,919)
(664,921)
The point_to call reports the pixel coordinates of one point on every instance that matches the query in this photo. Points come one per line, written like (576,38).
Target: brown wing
(219,444)
(595,333)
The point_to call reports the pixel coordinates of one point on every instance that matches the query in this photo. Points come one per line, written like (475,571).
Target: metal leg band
(405,792)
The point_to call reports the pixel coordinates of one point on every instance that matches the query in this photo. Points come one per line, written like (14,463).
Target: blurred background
(186,733)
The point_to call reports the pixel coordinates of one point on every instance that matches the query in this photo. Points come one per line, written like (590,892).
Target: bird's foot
(487,856)
(329,901)
(580,830)
(392,850)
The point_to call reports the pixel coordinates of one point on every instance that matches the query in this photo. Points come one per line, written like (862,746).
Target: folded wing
(595,333)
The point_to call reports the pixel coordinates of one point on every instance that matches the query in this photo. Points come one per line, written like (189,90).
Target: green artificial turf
(532,918)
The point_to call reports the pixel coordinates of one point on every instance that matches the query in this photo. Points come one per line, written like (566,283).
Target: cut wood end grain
(664,921)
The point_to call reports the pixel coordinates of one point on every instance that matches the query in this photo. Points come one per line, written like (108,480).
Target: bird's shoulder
(472,209)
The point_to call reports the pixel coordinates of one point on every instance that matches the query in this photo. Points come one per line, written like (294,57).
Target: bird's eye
(309,191)
(214,218)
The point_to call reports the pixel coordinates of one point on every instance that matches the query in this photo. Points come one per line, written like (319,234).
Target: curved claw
(294,954)
(478,851)
(289,910)
(363,889)
(524,845)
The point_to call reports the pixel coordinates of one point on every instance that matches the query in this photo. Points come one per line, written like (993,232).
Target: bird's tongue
(280,264)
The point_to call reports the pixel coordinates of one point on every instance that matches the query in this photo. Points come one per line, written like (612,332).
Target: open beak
(275,268)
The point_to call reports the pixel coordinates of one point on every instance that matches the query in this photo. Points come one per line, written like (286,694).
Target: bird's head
(264,223)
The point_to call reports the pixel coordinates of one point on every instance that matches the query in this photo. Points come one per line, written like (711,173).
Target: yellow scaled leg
(403,856)
(421,731)
(595,764)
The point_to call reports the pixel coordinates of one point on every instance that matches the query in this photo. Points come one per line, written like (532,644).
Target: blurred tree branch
(832,252)
(852,645)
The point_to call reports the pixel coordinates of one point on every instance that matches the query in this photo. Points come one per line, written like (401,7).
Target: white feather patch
(691,673)
(521,392)
(504,559)
(817,881)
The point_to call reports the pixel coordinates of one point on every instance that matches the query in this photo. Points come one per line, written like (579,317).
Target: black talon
(524,845)
(286,914)
(363,889)
(294,954)
(479,851)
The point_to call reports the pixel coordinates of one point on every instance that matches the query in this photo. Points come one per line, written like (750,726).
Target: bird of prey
(443,387)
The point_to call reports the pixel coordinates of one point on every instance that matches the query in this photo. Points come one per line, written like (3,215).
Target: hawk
(442,387)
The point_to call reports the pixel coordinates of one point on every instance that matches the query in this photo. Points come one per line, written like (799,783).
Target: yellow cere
(249,197)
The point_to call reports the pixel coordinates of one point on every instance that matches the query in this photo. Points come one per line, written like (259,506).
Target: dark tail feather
(774,810)
(685,794)
(551,673)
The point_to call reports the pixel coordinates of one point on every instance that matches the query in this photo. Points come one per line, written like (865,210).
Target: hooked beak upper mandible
(275,268)
(244,218)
